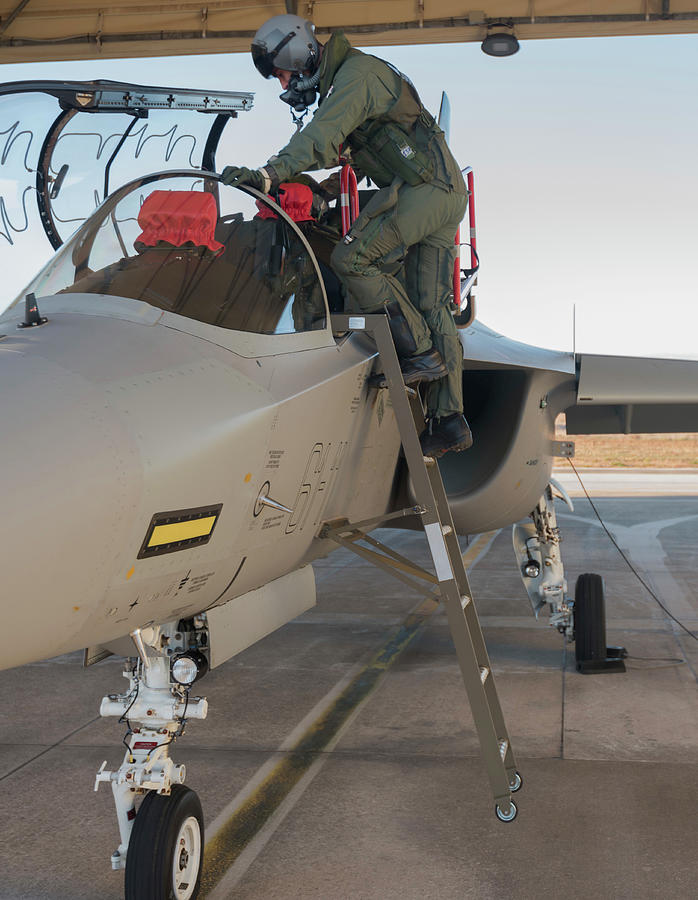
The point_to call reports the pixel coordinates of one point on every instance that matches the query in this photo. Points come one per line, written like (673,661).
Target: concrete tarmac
(397,803)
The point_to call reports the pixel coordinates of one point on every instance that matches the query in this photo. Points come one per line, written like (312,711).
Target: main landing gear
(162,844)
(537,549)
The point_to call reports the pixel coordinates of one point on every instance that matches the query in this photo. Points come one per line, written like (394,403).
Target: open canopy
(65,146)
(38,30)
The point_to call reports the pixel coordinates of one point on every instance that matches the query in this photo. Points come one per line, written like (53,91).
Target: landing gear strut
(537,549)
(162,845)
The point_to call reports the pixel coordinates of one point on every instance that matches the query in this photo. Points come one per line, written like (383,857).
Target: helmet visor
(264,59)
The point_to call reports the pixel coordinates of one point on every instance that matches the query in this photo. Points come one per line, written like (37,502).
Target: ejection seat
(229,272)
(174,250)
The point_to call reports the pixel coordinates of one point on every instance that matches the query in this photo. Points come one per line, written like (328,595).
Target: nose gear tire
(166,848)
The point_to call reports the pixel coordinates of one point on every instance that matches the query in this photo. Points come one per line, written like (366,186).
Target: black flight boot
(448,433)
(426,366)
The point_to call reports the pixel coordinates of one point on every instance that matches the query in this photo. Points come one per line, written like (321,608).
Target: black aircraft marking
(184,580)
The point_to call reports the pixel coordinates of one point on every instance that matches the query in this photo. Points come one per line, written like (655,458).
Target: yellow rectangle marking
(181,531)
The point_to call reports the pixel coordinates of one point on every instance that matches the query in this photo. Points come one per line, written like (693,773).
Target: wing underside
(634,395)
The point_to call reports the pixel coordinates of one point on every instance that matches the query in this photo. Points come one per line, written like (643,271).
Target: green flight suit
(401,248)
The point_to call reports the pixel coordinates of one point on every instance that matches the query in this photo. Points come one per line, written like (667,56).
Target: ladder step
(431,505)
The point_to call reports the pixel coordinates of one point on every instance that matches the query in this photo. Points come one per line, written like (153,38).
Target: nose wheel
(165,852)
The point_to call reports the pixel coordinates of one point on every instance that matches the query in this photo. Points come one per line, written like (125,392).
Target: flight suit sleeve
(356,96)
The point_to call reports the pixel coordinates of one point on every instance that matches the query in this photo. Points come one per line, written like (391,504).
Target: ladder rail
(451,574)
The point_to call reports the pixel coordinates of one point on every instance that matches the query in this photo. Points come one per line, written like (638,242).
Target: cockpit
(179,240)
(185,243)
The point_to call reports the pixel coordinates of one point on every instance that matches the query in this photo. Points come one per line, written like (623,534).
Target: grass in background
(640,451)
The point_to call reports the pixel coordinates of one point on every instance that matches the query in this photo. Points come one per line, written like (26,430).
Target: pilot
(399,255)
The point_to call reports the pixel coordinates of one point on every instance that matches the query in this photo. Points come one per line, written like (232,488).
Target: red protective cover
(296,200)
(178,217)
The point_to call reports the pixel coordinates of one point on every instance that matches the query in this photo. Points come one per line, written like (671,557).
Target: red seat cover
(179,217)
(296,200)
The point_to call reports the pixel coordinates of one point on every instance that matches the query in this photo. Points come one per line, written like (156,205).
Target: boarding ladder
(451,579)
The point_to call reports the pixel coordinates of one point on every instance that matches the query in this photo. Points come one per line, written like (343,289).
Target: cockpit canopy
(185,243)
(64,146)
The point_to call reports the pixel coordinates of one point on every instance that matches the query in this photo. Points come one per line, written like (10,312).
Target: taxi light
(188,667)
(531,569)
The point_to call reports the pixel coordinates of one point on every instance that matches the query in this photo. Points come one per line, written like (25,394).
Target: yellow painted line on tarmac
(245,822)
(479,547)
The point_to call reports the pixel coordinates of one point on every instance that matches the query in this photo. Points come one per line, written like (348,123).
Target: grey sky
(584,153)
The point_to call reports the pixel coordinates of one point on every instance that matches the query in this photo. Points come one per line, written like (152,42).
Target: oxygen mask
(301,93)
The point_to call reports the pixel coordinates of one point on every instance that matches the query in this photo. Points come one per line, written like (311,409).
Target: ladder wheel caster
(506,817)
(515,782)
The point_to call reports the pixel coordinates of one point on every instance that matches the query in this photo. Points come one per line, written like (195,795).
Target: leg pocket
(429,274)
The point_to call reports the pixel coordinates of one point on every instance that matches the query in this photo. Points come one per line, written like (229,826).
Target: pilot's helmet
(285,42)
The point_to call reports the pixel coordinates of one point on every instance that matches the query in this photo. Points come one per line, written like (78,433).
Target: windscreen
(192,246)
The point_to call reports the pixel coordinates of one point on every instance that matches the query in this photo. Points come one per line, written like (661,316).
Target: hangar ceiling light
(500,43)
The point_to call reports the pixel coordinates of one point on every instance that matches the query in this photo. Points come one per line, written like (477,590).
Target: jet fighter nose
(67,482)
(108,423)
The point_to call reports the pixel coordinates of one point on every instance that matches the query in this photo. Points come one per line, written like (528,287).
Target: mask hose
(309,83)
(301,92)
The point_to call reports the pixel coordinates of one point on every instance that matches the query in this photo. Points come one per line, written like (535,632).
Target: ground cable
(622,553)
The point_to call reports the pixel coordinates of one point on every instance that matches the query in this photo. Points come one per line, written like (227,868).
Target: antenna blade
(444,120)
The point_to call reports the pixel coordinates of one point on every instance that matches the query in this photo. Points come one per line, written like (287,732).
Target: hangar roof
(39,30)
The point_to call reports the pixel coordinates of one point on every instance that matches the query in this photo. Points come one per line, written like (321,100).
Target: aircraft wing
(634,395)
(80,29)
(610,394)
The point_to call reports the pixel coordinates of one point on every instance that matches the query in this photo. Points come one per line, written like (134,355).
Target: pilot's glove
(329,188)
(319,207)
(264,180)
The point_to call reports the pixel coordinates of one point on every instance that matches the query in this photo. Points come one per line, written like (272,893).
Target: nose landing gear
(162,845)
